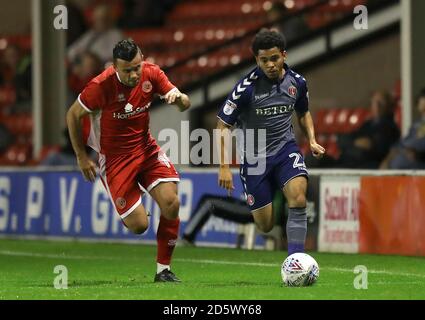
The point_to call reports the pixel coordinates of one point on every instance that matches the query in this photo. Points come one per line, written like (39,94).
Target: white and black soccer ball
(299,270)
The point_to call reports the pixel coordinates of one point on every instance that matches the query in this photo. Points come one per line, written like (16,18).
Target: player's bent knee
(265,227)
(139,228)
(299,201)
(171,207)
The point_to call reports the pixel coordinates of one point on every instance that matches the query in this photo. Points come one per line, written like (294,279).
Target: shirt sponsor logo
(229,107)
(128,108)
(261,96)
(271,111)
(129,112)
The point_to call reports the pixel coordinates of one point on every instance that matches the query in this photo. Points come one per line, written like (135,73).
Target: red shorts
(125,176)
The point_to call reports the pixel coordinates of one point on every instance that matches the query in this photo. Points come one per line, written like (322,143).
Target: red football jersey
(119,118)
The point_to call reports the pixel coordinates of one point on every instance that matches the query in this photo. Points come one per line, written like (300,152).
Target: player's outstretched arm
(178,98)
(306,124)
(73,120)
(225,179)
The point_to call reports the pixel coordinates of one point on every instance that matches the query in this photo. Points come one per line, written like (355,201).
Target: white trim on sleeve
(83,105)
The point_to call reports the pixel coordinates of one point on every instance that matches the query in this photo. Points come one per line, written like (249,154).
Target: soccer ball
(299,270)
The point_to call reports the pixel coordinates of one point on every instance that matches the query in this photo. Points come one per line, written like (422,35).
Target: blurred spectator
(83,70)
(409,153)
(100,39)
(293,26)
(367,146)
(76,23)
(5,138)
(16,73)
(147,13)
(65,155)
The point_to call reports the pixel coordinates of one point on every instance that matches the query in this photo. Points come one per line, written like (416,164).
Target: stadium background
(204,48)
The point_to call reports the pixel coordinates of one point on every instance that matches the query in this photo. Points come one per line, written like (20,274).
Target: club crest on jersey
(121,97)
(128,108)
(120,202)
(147,86)
(250,199)
(292,91)
(229,107)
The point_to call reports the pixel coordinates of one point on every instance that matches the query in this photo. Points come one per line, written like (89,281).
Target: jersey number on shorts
(297,163)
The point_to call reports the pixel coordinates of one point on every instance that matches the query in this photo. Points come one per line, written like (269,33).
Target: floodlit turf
(126,271)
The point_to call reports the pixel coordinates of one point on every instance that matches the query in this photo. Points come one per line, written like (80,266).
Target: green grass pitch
(126,271)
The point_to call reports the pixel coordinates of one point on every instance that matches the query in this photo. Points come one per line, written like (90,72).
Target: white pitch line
(223,262)
(259,264)
(53,256)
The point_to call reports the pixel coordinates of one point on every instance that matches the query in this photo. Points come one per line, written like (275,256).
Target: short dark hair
(267,39)
(125,50)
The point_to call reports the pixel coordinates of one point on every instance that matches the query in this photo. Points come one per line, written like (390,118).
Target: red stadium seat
(17,154)
(45,151)
(342,119)
(330,121)
(319,120)
(331,147)
(357,118)
(7,96)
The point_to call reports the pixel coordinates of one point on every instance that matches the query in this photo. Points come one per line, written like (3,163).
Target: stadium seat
(45,151)
(23,41)
(342,118)
(331,146)
(7,96)
(17,154)
(319,120)
(329,121)
(357,117)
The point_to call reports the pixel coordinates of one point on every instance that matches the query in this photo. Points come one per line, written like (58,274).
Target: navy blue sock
(296,230)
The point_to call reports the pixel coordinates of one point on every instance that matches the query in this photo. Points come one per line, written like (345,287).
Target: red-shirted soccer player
(118,102)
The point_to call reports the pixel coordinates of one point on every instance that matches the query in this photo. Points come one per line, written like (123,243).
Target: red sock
(166,237)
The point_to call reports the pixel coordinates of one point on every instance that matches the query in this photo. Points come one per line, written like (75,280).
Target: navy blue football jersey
(262,109)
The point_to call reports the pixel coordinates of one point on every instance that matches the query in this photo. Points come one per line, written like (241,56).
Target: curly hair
(267,39)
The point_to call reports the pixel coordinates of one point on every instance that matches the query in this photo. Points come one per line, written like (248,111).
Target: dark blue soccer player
(261,106)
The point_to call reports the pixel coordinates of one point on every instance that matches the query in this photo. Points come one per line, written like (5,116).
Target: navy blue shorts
(259,189)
